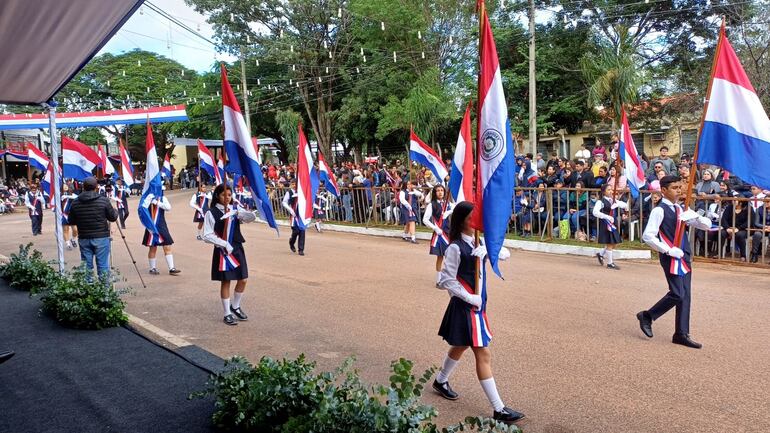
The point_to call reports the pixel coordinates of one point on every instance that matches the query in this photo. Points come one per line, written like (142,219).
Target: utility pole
(532,82)
(245,91)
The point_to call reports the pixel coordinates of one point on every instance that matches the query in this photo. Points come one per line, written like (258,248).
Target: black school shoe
(613,266)
(600,259)
(444,390)
(239,313)
(507,415)
(174,271)
(230,320)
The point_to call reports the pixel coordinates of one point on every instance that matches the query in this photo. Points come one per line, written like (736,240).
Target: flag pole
(476,233)
(691,180)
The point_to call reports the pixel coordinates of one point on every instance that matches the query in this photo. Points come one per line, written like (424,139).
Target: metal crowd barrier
(567,213)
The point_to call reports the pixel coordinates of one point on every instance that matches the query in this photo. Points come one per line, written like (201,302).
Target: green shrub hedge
(287,396)
(27,270)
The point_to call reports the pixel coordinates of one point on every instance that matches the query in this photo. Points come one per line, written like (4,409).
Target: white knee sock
(446,370)
(412,236)
(226,306)
(153,263)
(603,252)
(237,296)
(490,389)
(438,276)
(170,261)
(608,256)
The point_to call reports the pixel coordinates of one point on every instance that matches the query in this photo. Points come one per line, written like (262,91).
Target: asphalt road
(567,349)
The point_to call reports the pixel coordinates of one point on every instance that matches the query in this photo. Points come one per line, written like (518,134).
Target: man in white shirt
(664,222)
(583,154)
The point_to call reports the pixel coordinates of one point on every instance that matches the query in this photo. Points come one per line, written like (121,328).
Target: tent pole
(56,178)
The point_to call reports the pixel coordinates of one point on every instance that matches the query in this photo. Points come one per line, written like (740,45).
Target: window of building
(689,138)
(638,143)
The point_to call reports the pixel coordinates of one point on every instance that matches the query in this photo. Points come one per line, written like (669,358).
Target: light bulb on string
(108,83)
(204,85)
(382,25)
(364,59)
(183,72)
(423,54)
(297,84)
(281,33)
(184,92)
(212,98)
(358,71)
(291,82)
(330,54)
(326,46)
(139,63)
(394,57)
(319,79)
(362,51)
(89,91)
(257,61)
(232,18)
(148,89)
(291,48)
(450,39)
(124,72)
(165,80)
(339,12)
(238,87)
(293,67)
(327,69)
(259,82)
(248,39)
(419,34)
(218,93)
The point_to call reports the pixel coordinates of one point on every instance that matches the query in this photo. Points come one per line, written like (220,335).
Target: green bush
(287,396)
(78,300)
(27,270)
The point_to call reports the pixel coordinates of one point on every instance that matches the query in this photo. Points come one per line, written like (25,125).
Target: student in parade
(158,206)
(409,199)
(70,231)
(297,227)
(437,218)
(200,202)
(34,201)
(120,197)
(319,208)
(660,235)
(608,211)
(222,228)
(467,312)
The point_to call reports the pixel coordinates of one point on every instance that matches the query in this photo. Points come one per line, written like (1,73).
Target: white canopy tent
(43,46)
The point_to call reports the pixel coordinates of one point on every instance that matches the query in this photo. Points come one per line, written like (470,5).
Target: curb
(533,246)
(151,331)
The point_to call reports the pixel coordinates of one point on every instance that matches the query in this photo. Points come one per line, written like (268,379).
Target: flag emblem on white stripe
(493,144)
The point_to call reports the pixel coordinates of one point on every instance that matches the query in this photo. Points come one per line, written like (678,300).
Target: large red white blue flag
(306,186)
(206,160)
(37,158)
(105,162)
(423,154)
(736,130)
(634,173)
(125,167)
(242,157)
(327,176)
(461,176)
(496,165)
(165,171)
(153,184)
(78,159)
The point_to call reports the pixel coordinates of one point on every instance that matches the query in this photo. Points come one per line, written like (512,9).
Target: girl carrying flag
(607,210)
(437,218)
(67,198)
(200,202)
(409,198)
(158,206)
(465,321)
(222,228)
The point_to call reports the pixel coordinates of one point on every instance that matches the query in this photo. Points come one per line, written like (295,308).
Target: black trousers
(678,297)
(740,242)
(297,233)
(122,215)
(37,224)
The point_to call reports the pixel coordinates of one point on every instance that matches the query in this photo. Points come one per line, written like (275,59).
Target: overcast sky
(151,32)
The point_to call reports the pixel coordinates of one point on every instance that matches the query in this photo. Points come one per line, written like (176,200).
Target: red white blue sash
(678,266)
(155,238)
(440,224)
(481,334)
(201,204)
(228,262)
(611,224)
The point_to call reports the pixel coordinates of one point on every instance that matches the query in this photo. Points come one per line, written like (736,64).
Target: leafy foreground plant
(79,300)
(286,396)
(27,270)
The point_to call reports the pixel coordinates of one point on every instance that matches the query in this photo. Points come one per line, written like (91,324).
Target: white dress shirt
(651,231)
(426,218)
(448,275)
(210,236)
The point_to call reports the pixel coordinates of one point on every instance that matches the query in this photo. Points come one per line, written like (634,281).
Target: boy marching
(34,200)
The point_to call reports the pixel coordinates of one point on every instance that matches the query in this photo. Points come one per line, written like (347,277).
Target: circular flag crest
(83,162)
(492,144)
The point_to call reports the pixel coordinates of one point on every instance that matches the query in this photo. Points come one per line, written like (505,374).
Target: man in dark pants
(34,201)
(297,226)
(660,235)
(92,214)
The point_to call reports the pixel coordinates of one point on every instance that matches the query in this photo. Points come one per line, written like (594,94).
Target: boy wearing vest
(465,321)
(665,220)
(297,227)
(607,211)
(200,202)
(34,200)
(437,218)
(222,228)
(120,197)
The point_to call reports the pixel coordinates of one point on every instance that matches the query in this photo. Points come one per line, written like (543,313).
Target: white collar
(667,201)
(468,239)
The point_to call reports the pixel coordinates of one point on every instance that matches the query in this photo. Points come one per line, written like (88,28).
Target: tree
(613,75)
(288,123)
